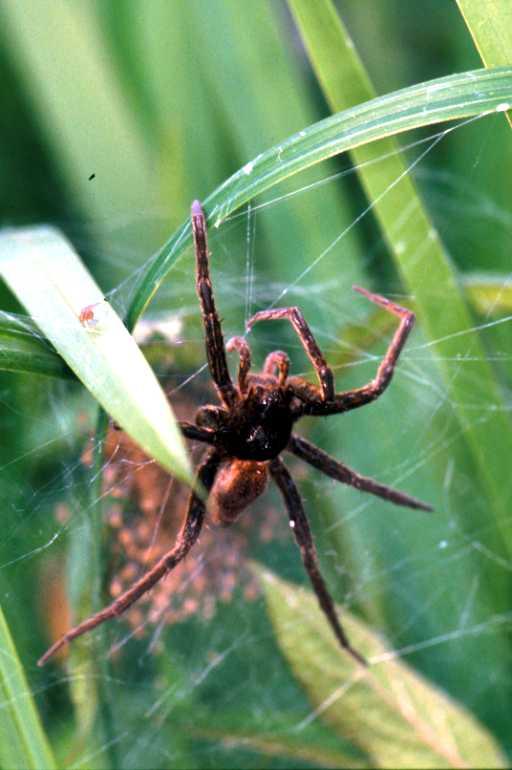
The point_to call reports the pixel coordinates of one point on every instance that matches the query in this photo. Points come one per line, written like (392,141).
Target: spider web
(421,581)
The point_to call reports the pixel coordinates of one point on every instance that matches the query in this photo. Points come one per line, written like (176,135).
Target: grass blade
(444,315)
(286,744)
(22,349)
(491,294)
(84,125)
(393,714)
(443,99)
(490,25)
(23,743)
(259,45)
(47,276)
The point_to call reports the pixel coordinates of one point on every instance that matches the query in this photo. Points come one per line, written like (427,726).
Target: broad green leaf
(23,743)
(41,268)
(418,252)
(443,99)
(388,711)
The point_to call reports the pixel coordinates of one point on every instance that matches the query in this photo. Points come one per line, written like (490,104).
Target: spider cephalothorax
(249,430)
(254,431)
(259,425)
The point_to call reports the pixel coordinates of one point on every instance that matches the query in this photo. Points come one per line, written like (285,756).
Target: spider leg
(244,351)
(336,470)
(280,361)
(196,433)
(304,538)
(316,404)
(315,355)
(214,340)
(186,539)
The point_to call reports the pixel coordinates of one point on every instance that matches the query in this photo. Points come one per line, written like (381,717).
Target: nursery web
(423,582)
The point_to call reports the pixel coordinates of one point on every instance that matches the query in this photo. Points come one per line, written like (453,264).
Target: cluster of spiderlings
(145,514)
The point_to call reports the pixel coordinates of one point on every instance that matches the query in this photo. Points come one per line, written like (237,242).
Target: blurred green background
(114,116)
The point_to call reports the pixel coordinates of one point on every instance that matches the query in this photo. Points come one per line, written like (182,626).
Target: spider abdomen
(236,485)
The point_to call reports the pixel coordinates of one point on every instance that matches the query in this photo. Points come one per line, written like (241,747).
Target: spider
(92,316)
(250,428)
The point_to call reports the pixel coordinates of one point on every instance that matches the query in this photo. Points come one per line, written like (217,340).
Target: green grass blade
(490,25)
(258,45)
(490,293)
(23,350)
(393,714)
(23,743)
(84,126)
(418,253)
(443,99)
(47,276)
(287,744)
(169,59)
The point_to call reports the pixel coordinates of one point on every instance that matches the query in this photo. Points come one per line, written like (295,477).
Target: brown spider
(251,428)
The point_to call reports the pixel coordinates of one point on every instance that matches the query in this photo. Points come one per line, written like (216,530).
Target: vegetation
(331,144)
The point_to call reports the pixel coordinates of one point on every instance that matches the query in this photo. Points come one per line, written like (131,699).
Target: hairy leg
(244,351)
(214,340)
(195,433)
(315,355)
(314,401)
(280,361)
(336,470)
(186,539)
(304,538)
